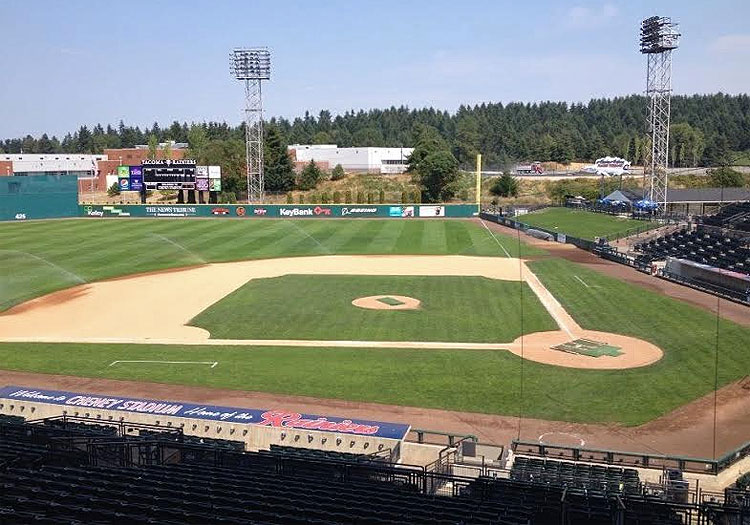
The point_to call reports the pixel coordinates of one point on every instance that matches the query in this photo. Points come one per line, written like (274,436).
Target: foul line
(493,236)
(581,281)
(212,363)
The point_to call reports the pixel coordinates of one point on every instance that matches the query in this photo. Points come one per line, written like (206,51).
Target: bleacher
(713,249)
(734,216)
(596,478)
(53,472)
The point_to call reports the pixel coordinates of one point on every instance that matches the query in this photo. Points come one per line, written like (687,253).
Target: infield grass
(44,256)
(455,309)
(583,224)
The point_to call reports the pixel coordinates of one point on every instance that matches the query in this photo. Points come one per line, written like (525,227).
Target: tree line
(704,127)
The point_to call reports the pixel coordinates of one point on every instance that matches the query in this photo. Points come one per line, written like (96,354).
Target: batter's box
(589,348)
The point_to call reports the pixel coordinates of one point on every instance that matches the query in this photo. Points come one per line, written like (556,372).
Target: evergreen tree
(278,167)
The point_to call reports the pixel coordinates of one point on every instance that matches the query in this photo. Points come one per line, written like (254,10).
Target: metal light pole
(659,37)
(253,65)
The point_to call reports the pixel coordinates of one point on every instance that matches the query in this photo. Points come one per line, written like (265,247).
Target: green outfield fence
(292,211)
(38,197)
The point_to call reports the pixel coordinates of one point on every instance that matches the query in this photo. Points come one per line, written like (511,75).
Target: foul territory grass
(583,224)
(40,257)
(461,309)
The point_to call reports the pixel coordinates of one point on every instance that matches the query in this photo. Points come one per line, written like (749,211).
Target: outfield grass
(582,224)
(459,309)
(41,257)
(475,381)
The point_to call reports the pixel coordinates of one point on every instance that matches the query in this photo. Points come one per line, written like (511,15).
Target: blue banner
(278,418)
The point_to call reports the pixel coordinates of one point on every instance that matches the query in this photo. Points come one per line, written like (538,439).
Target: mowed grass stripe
(100,249)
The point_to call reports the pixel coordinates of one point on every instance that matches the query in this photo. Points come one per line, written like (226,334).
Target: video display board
(167,174)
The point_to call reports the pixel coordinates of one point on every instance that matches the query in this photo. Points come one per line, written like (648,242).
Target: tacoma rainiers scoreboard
(167,174)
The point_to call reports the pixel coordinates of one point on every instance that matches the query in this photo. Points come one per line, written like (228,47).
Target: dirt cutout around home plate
(387,302)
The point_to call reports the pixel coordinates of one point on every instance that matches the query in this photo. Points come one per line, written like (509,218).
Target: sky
(66,64)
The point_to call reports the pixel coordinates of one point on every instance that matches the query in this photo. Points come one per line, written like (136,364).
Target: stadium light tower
(659,37)
(253,66)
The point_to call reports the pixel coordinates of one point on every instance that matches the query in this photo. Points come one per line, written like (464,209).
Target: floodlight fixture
(252,63)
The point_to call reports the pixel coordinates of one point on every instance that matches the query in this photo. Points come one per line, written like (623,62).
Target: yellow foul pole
(479,182)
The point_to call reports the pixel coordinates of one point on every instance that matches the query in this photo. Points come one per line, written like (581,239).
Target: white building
(369,160)
(80,164)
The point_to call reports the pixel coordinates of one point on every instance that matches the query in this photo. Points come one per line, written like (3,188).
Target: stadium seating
(734,216)
(701,246)
(579,475)
(58,472)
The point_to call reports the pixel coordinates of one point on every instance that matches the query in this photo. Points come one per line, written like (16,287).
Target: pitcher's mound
(387,302)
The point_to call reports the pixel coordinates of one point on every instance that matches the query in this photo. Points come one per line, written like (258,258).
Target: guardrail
(632,459)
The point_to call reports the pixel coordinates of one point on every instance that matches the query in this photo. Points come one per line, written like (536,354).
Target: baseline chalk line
(207,363)
(496,240)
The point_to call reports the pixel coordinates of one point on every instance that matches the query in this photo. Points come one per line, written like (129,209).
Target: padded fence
(292,211)
(38,197)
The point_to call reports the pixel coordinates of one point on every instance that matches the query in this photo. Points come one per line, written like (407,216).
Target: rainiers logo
(279,419)
(260,211)
(358,211)
(240,211)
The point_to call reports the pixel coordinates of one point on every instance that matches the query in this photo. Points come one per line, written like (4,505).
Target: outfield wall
(296,211)
(38,197)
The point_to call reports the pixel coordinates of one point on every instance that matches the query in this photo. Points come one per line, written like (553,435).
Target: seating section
(700,246)
(734,216)
(309,453)
(58,472)
(194,440)
(577,475)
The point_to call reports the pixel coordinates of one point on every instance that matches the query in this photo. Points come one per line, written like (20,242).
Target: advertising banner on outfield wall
(278,418)
(283,211)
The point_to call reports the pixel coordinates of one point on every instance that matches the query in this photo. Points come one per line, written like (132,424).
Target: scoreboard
(167,174)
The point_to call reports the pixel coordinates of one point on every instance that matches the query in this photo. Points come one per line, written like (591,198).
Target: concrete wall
(255,437)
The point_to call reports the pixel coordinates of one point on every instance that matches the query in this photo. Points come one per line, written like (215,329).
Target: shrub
(336,197)
(337,173)
(114,189)
(348,197)
(360,197)
(301,199)
(325,198)
(404,197)
(464,196)
(505,186)
(227,197)
(289,198)
(370,197)
(310,176)
(381,197)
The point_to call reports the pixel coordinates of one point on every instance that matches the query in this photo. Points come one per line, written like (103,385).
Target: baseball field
(582,224)
(270,304)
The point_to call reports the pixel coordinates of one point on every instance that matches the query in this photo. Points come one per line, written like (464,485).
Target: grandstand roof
(708,195)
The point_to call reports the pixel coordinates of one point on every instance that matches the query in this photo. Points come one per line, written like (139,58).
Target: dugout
(38,197)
